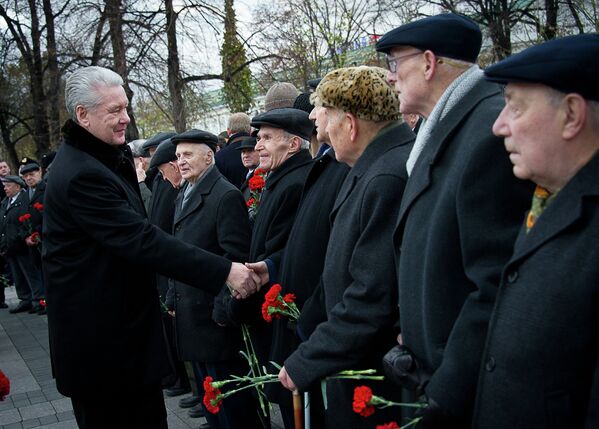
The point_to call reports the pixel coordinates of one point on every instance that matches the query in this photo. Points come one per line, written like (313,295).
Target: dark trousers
(142,408)
(237,411)
(27,278)
(317,418)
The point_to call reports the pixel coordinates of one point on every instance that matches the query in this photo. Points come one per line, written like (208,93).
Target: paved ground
(34,401)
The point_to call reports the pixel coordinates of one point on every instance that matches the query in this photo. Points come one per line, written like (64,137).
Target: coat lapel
(420,179)
(196,199)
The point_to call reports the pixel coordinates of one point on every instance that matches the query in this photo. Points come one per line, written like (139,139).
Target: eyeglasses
(392,62)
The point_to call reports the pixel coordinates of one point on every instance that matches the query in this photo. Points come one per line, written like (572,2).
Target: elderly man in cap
(358,282)
(103,316)
(459,217)
(541,361)
(227,159)
(250,160)
(13,232)
(141,158)
(210,213)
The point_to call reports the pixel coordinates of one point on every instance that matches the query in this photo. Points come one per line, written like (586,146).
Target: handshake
(244,280)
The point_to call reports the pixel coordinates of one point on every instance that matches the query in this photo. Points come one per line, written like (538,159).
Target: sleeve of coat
(233,227)
(592,420)
(490,205)
(101,209)
(369,303)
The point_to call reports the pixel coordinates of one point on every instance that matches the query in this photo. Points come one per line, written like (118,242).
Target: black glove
(435,417)
(402,368)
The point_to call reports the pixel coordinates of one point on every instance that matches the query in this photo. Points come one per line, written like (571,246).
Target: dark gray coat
(100,256)
(12,231)
(541,360)
(215,219)
(459,217)
(358,281)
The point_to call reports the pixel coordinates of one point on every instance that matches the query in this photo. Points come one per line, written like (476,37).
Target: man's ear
(82,116)
(430,64)
(574,114)
(296,144)
(354,126)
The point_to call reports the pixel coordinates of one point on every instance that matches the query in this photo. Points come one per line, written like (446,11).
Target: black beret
(14,179)
(157,139)
(48,158)
(294,121)
(197,136)
(165,152)
(447,35)
(249,143)
(28,168)
(568,64)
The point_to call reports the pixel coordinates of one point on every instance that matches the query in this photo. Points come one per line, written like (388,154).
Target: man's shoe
(21,306)
(204,426)
(196,411)
(34,309)
(3,305)
(189,401)
(176,391)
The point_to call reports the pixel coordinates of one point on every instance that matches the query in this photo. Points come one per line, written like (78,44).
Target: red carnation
(259,172)
(273,293)
(361,404)
(390,425)
(35,237)
(4,386)
(250,202)
(43,302)
(289,298)
(212,399)
(265,315)
(38,206)
(256,183)
(24,217)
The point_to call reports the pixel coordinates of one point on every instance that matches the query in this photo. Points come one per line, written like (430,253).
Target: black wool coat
(540,366)
(459,217)
(228,160)
(12,231)
(100,257)
(358,281)
(215,219)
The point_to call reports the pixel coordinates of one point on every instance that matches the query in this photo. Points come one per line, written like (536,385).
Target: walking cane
(297,410)
(307,422)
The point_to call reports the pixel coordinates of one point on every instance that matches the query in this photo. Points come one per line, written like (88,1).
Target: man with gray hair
(227,159)
(459,216)
(103,314)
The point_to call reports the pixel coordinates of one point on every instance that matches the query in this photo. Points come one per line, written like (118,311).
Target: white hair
(304,144)
(81,87)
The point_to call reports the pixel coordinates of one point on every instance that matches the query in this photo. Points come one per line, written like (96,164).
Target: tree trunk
(115,22)
(175,83)
(53,77)
(549,30)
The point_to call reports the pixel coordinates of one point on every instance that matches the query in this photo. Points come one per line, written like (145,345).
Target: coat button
(490,364)
(512,277)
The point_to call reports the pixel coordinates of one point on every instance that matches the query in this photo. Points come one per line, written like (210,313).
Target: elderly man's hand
(261,269)
(285,380)
(242,281)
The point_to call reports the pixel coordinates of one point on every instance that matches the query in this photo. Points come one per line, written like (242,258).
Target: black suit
(100,257)
(358,281)
(228,160)
(540,365)
(459,217)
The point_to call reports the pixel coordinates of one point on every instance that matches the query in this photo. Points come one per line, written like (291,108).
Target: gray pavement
(34,401)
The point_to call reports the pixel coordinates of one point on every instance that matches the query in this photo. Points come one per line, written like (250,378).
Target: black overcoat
(100,257)
(459,217)
(215,219)
(228,160)
(359,282)
(541,361)
(12,231)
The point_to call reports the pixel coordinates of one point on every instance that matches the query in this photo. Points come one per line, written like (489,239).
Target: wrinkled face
(193,160)
(109,119)
(4,169)
(339,134)
(406,76)
(250,158)
(170,173)
(319,116)
(11,189)
(274,147)
(528,123)
(33,178)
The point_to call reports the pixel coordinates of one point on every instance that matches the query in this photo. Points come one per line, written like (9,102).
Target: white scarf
(452,96)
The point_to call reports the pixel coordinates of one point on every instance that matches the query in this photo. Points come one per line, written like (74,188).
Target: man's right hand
(261,269)
(242,281)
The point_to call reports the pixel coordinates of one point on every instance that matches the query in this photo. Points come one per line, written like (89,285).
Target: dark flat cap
(313,83)
(48,158)
(14,179)
(302,102)
(198,137)
(28,168)
(568,65)
(447,35)
(249,143)
(27,160)
(157,139)
(294,121)
(165,152)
